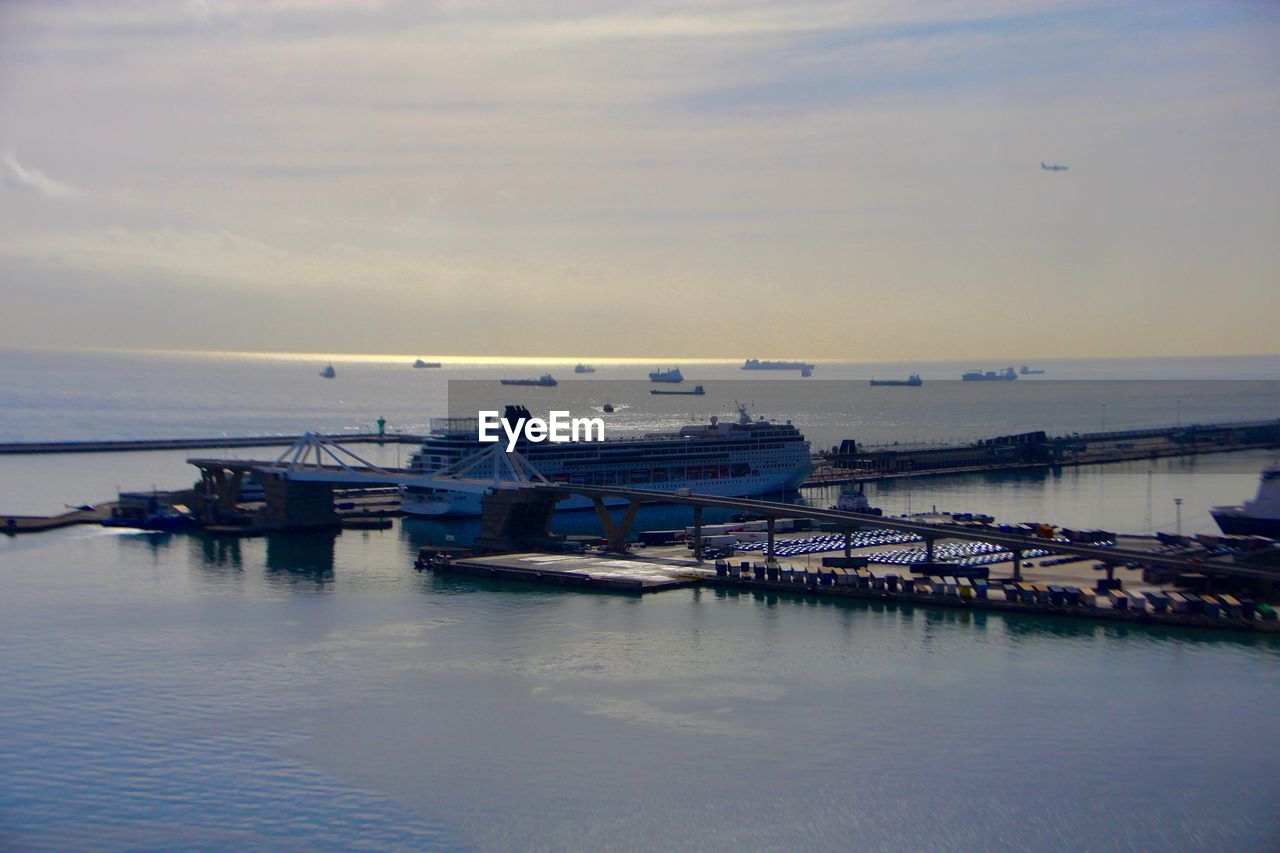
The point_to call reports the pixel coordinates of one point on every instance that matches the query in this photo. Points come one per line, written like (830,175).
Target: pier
(142,444)
(853,462)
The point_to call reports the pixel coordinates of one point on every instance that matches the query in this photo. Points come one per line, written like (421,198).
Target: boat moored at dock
(1258,517)
(746,458)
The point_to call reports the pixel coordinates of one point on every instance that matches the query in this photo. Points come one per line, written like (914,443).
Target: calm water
(315,691)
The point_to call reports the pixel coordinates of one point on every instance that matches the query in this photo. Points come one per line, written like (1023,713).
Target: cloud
(15,176)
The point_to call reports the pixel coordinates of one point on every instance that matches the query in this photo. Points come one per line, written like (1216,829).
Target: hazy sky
(813,179)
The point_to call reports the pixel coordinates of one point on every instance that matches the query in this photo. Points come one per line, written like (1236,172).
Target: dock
(608,572)
(142,444)
(12,524)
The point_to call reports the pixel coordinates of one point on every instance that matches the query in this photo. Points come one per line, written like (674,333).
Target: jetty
(141,444)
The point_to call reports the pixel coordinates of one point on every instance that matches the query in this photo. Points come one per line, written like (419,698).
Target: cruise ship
(728,459)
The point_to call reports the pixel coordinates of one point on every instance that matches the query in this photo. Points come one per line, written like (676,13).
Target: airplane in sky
(1053,167)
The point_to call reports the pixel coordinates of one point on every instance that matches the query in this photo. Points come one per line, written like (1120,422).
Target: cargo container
(1137,602)
(1248,607)
(1212,607)
(1177,602)
(980,586)
(1119,599)
(1159,601)
(1266,612)
(1230,606)
(1088,598)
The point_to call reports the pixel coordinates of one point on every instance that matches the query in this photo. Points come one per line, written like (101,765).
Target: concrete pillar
(1017,564)
(848,544)
(928,550)
(769,551)
(697,533)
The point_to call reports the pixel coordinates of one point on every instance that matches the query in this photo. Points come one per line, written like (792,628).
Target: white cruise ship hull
(437,503)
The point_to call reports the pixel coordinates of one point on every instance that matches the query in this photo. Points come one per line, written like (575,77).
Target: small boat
(584,368)
(672,375)
(1008,374)
(421,363)
(328,372)
(695,391)
(914,381)
(543,381)
(1026,371)
(607,408)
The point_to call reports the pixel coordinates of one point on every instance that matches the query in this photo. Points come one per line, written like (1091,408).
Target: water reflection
(217,551)
(301,558)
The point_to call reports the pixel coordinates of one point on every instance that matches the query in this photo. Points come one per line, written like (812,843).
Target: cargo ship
(672,375)
(421,363)
(1006,375)
(1258,517)
(1027,371)
(543,381)
(914,381)
(757,364)
(695,391)
(743,458)
(584,368)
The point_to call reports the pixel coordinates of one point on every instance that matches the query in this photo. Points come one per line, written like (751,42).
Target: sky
(714,179)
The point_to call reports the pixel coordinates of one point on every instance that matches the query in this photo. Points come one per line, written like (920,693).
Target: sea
(162,691)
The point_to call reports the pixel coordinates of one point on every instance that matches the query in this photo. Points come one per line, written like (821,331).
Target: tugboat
(543,381)
(672,375)
(853,499)
(607,408)
(1258,517)
(328,372)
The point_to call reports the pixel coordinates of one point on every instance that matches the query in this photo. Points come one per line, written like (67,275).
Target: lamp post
(1177,503)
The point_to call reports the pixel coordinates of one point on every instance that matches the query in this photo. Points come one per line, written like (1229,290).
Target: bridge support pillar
(697,533)
(1017,565)
(294,505)
(848,543)
(928,550)
(616,532)
(769,558)
(516,518)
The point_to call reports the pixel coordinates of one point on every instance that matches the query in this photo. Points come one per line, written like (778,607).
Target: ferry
(328,372)
(584,368)
(421,363)
(1008,374)
(546,380)
(672,375)
(695,391)
(1258,517)
(727,459)
(913,381)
